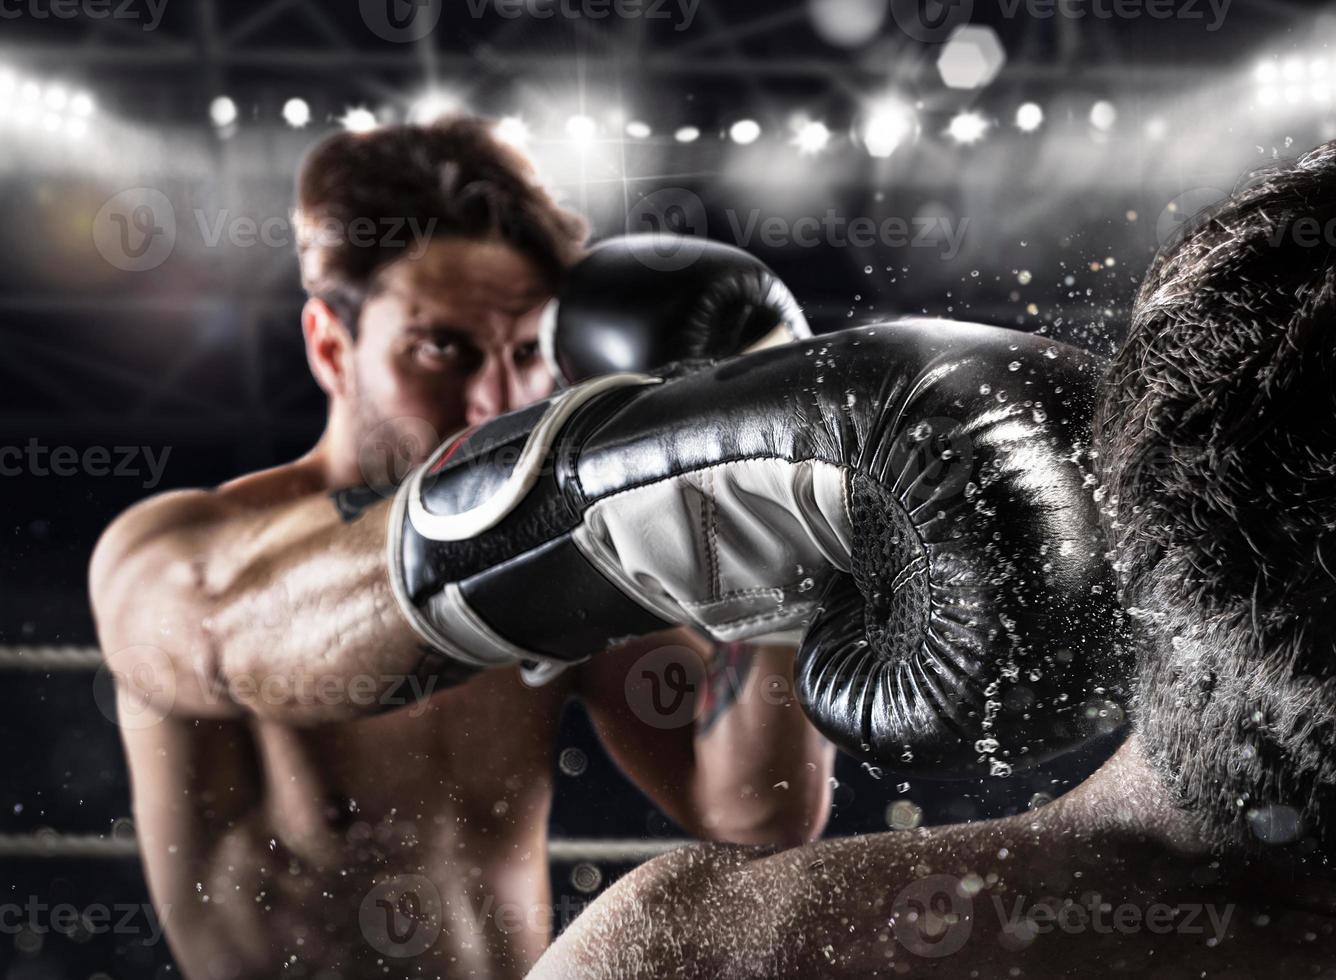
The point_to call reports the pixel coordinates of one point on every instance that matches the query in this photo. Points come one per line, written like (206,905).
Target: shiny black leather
(976,628)
(640,302)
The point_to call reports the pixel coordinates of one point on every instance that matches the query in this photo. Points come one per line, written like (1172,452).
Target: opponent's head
(428,253)
(1217,439)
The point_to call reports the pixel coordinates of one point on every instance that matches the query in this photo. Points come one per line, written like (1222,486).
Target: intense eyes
(458,354)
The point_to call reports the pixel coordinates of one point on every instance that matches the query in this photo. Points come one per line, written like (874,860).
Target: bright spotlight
(810,136)
(1319,68)
(431,106)
(638,130)
(1268,96)
(582,129)
(687,134)
(51,122)
(1157,129)
(888,125)
(1267,72)
(1294,94)
(1293,69)
(1029,117)
(296,113)
(1103,115)
(744,132)
(513,130)
(76,129)
(56,98)
(358,120)
(968,127)
(223,111)
(30,92)
(81,104)
(971,57)
(7,81)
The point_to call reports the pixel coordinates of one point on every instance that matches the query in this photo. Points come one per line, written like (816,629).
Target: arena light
(296,113)
(967,127)
(1103,115)
(847,23)
(30,91)
(638,130)
(810,136)
(82,105)
(582,129)
(745,132)
(889,123)
(76,129)
(971,57)
(1029,117)
(687,134)
(56,98)
(8,81)
(513,130)
(358,119)
(430,106)
(223,111)
(1267,72)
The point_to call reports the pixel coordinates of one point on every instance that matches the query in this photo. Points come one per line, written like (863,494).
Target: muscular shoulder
(174,522)
(148,523)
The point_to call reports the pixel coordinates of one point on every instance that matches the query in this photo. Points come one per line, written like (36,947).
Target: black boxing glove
(641,302)
(916,492)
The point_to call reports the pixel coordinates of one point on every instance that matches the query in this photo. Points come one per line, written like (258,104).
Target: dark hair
(1217,442)
(356,191)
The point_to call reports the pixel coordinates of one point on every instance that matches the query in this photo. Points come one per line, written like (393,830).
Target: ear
(329,348)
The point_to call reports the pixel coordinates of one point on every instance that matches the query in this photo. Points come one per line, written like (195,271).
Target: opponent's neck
(1127,796)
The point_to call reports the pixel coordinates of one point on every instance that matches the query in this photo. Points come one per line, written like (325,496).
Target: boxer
(1203,847)
(283,809)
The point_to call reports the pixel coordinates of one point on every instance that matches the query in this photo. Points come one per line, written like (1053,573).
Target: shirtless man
(283,811)
(1202,848)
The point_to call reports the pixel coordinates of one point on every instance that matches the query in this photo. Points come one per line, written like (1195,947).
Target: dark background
(201,355)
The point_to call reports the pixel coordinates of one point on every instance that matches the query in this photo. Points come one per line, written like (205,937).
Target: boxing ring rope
(49,658)
(53,844)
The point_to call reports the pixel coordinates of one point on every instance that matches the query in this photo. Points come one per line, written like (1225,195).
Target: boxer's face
(450,336)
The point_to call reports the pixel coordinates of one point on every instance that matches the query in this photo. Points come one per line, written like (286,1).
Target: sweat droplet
(904,815)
